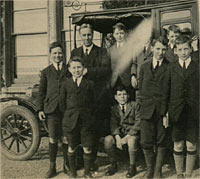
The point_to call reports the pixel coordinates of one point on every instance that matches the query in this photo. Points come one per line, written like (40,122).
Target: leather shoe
(88,175)
(65,168)
(131,171)
(51,173)
(111,170)
(94,168)
(180,176)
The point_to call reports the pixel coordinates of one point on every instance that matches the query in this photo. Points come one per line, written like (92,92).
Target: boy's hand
(133,81)
(166,121)
(118,142)
(42,116)
(85,71)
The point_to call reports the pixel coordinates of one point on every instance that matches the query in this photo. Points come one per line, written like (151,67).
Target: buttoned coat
(77,102)
(151,88)
(125,124)
(99,69)
(180,89)
(49,89)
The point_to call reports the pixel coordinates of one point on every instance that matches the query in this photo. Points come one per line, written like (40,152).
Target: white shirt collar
(155,62)
(89,48)
(78,80)
(56,65)
(123,105)
(171,45)
(187,62)
(119,45)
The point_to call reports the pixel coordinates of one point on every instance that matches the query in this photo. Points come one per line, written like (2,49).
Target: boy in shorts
(125,128)
(181,92)
(77,99)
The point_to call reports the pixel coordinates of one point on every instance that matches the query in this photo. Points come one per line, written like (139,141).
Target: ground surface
(38,165)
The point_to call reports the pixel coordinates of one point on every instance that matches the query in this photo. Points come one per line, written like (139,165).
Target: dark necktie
(86,52)
(184,68)
(123,109)
(58,68)
(76,82)
(157,65)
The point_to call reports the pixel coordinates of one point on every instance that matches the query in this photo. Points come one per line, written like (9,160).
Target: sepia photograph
(99,89)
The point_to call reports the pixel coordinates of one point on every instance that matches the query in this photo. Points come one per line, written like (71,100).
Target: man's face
(121,97)
(183,51)
(56,54)
(158,50)
(76,69)
(86,35)
(172,37)
(119,35)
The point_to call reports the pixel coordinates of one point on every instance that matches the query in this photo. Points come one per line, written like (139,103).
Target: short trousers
(54,124)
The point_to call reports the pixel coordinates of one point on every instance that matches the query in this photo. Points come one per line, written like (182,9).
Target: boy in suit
(173,32)
(98,69)
(181,101)
(49,108)
(125,128)
(128,76)
(77,99)
(153,132)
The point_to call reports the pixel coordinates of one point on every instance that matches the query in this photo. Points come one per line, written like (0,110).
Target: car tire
(20,134)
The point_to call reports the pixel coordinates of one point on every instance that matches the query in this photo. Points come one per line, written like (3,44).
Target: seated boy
(77,100)
(125,128)
(181,92)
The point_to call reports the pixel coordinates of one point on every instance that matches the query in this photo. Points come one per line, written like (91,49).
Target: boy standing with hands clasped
(125,128)
(181,92)
(77,99)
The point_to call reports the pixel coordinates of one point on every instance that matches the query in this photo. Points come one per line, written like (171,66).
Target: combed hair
(120,26)
(160,39)
(85,25)
(120,88)
(75,59)
(54,45)
(183,39)
(174,28)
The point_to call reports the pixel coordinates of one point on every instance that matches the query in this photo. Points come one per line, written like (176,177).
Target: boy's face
(183,51)
(119,35)
(76,69)
(158,50)
(86,35)
(172,37)
(56,54)
(121,97)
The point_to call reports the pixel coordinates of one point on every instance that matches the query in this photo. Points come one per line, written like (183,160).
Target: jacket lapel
(191,69)
(178,70)
(128,109)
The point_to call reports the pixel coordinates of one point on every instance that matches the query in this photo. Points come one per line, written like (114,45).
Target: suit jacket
(151,87)
(77,102)
(125,76)
(98,66)
(180,89)
(128,123)
(49,89)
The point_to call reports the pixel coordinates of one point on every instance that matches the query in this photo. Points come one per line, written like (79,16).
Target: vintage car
(21,130)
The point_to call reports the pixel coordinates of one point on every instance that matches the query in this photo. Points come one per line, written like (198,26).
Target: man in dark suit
(98,69)
(153,132)
(48,104)
(77,99)
(173,32)
(181,101)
